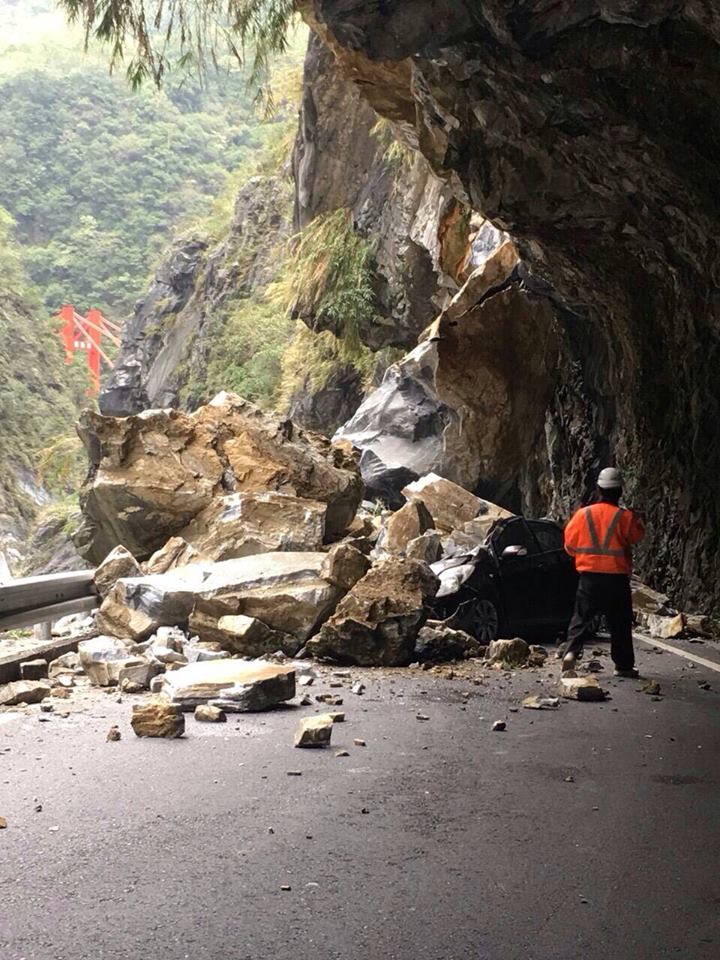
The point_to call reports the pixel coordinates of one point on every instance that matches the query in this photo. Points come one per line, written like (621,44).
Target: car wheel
(485,620)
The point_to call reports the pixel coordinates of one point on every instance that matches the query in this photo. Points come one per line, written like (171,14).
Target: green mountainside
(97,176)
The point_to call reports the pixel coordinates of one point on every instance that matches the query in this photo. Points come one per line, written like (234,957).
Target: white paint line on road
(651,641)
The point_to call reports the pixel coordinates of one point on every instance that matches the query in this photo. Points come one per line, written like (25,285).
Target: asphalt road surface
(586,832)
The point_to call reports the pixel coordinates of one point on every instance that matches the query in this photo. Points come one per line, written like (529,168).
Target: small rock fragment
(314,731)
(342,753)
(358,688)
(422,716)
(499,725)
(294,773)
(158,719)
(359,742)
(113,734)
(286,888)
(207,714)
(3,823)
(581,688)
(652,688)
(337,716)
(541,703)
(508,653)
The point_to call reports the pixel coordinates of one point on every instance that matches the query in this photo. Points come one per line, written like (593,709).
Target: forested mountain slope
(96,175)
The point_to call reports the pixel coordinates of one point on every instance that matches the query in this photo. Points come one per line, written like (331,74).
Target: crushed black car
(518,582)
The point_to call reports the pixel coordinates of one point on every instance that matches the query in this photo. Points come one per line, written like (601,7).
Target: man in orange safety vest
(600,538)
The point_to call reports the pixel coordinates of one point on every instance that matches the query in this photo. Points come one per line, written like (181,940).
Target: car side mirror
(514,550)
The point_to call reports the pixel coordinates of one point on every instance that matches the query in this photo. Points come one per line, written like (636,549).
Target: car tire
(485,621)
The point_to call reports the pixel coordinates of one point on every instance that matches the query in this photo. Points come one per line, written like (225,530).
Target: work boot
(631,674)
(568,663)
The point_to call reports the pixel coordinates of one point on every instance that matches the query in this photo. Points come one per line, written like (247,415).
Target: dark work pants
(607,594)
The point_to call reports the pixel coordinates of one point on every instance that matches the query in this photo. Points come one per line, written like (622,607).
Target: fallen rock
(427,547)
(135,674)
(377,622)
(647,601)
(117,564)
(448,504)
(697,625)
(152,474)
(344,565)
(207,714)
(67,664)
(499,725)
(406,524)
(508,653)
(24,691)
(652,688)
(314,731)
(581,688)
(666,628)
(232,685)
(250,637)
(247,524)
(113,735)
(137,606)
(437,643)
(199,651)
(34,670)
(537,656)
(102,658)
(158,719)
(285,591)
(541,703)
(177,552)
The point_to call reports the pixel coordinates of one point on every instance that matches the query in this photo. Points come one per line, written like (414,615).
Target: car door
(521,579)
(557,570)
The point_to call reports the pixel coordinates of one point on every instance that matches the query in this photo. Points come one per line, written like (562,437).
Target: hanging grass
(329,277)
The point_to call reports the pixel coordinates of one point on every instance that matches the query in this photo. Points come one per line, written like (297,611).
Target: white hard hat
(610,479)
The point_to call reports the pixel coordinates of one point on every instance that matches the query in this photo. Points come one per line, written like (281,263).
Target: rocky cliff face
(590,133)
(173,326)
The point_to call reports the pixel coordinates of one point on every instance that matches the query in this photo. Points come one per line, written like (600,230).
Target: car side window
(516,533)
(548,535)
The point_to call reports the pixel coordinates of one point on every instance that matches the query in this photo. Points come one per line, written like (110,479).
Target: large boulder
(468,403)
(137,606)
(378,621)
(286,591)
(454,508)
(245,524)
(255,684)
(245,636)
(152,474)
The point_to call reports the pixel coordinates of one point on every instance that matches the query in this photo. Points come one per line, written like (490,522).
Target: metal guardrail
(33,600)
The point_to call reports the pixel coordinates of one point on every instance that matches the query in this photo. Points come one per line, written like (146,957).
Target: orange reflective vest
(600,538)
